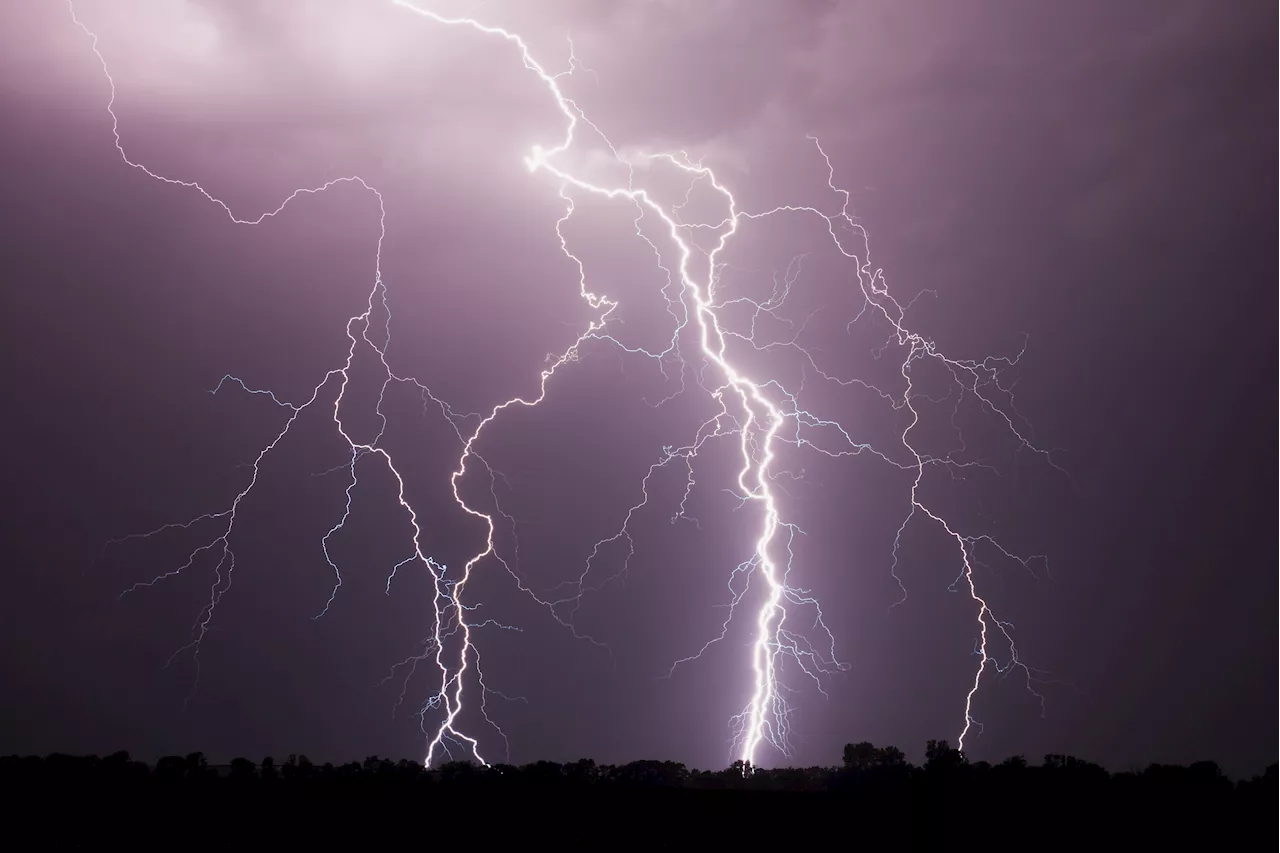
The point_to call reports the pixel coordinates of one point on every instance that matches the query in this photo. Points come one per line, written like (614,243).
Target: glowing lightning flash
(761,414)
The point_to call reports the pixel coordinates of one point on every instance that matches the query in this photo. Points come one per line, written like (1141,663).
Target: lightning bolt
(760,414)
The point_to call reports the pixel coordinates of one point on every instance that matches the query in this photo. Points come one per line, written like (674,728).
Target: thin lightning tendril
(761,415)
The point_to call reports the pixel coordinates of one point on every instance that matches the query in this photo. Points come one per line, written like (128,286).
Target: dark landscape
(875,794)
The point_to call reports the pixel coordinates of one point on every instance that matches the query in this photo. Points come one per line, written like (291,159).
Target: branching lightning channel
(759,413)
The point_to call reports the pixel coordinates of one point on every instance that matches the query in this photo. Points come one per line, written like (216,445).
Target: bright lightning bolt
(760,412)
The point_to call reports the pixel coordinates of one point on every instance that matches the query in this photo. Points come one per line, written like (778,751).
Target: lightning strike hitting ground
(759,412)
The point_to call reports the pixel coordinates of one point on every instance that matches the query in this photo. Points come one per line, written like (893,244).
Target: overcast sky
(1089,179)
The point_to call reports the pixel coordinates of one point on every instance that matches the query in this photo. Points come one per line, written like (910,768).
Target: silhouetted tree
(582,772)
(543,773)
(171,769)
(297,768)
(198,769)
(243,770)
(650,774)
(860,756)
(454,772)
(408,771)
(891,757)
(941,757)
(1086,805)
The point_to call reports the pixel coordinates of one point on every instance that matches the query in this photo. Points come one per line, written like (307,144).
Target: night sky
(1089,179)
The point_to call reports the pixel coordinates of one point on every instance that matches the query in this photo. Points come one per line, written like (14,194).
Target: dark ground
(67,802)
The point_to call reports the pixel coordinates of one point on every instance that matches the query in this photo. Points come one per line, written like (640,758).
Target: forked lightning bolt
(759,413)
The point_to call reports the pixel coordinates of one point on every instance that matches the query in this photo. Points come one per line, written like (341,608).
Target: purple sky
(1090,176)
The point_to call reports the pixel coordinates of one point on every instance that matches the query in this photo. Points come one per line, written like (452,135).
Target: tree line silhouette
(645,803)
